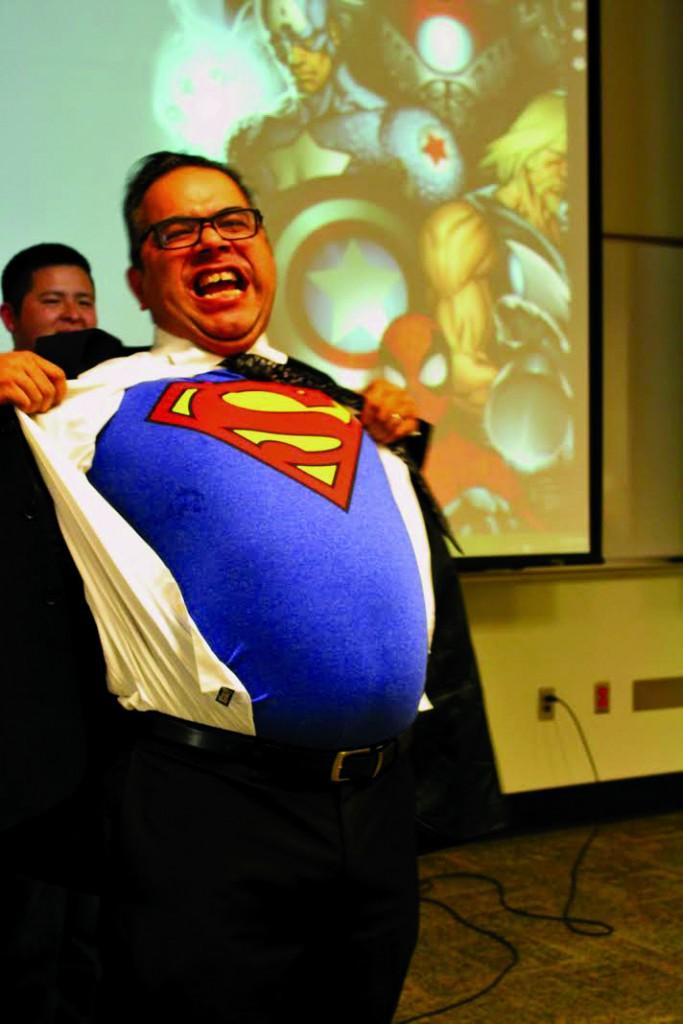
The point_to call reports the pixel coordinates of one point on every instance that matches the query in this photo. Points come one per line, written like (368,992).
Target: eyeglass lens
(230,224)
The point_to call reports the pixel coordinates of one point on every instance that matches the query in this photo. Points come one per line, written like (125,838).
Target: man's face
(61,298)
(180,286)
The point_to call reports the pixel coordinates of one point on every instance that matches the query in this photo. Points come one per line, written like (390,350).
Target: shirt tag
(224,696)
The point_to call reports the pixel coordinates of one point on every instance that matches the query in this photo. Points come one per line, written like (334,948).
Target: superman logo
(298,431)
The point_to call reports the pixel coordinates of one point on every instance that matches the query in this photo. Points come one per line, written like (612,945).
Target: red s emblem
(298,431)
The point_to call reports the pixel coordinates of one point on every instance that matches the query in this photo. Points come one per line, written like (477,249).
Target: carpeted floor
(631,878)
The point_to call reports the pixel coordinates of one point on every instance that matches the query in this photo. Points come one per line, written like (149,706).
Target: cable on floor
(579,925)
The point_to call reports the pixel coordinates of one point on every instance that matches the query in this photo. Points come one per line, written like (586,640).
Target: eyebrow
(62,291)
(188,216)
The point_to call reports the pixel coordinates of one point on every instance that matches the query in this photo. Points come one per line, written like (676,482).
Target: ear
(334,32)
(8,317)
(134,277)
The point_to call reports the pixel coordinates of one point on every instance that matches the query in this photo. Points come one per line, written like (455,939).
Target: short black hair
(149,169)
(17,277)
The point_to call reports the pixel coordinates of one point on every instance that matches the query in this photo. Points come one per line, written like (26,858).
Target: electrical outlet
(546,708)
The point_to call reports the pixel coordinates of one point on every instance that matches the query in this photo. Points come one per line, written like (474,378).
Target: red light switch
(601,698)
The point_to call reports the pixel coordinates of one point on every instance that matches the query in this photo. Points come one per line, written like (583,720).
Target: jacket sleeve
(458,794)
(77,351)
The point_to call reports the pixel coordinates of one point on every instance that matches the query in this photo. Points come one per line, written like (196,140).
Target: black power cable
(578,925)
(425,886)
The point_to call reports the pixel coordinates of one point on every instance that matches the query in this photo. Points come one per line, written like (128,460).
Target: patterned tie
(292,372)
(298,374)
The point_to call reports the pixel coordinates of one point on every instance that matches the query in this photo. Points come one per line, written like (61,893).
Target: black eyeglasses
(232,224)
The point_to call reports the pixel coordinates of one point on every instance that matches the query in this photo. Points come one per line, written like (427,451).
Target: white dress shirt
(156,657)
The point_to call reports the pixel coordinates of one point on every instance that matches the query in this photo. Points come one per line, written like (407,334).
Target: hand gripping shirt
(254,561)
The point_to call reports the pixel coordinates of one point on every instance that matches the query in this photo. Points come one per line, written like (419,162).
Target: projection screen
(422,167)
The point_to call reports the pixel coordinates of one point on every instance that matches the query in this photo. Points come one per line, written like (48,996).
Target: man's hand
(30,382)
(389,413)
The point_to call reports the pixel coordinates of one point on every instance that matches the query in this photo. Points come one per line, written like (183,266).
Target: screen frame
(594,254)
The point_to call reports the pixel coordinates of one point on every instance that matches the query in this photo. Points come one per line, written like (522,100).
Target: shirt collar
(179,350)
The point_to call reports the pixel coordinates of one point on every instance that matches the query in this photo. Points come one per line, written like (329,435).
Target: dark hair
(148,170)
(17,277)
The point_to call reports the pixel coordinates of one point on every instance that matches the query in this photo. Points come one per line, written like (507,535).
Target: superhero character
(461,57)
(414,355)
(500,291)
(478,490)
(500,288)
(334,125)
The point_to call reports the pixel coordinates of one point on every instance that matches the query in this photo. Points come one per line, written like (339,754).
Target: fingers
(29,382)
(389,413)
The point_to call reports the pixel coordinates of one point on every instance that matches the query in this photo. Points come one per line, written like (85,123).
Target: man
(53,720)
(260,573)
(47,292)
(47,289)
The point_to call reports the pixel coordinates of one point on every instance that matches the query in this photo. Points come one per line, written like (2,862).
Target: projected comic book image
(421,166)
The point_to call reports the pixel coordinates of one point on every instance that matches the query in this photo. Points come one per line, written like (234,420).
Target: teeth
(215,280)
(225,275)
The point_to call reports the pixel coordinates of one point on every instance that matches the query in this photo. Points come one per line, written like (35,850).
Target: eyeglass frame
(200,222)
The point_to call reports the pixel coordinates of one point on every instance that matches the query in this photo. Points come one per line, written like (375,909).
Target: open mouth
(218,282)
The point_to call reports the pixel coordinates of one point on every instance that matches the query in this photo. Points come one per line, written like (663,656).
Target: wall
(571,628)
(642,155)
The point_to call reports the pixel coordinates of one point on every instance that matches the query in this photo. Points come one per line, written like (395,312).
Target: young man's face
(217,293)
(61,298)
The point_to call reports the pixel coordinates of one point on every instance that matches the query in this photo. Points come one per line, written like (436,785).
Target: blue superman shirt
(272,510)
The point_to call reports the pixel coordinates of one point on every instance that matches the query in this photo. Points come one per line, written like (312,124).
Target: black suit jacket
(79,351)
(57,722)
(458,793)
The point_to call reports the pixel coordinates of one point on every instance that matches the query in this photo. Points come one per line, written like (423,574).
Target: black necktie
(301,375)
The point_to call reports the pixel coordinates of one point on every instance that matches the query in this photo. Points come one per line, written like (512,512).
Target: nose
(71,311)
(213,240)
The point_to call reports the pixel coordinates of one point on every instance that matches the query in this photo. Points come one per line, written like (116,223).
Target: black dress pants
(238,897)
(50,876)
(48,958)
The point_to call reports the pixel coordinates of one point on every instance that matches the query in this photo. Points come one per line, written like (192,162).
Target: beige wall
(642,47)
(642,155)
(569,629)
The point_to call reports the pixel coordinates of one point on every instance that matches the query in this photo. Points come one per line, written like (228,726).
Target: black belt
(317,765)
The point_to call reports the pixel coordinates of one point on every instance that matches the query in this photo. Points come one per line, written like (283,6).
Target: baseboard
(541,810)
(599,801)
